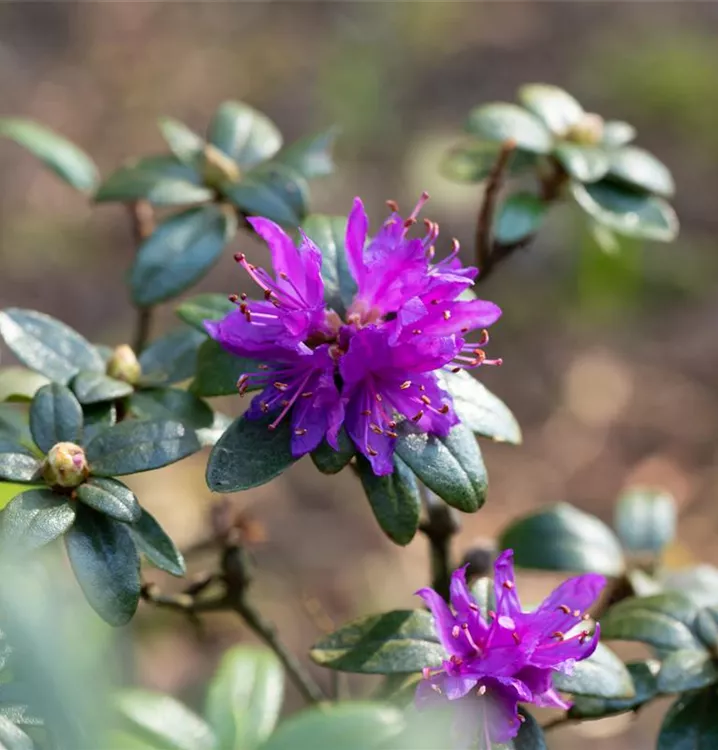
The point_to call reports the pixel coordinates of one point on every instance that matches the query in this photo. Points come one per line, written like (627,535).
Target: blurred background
(610,360)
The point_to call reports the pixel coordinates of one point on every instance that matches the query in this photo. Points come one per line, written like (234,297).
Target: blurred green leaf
(171,403)
(502,122)
(245,697)
(562,537)
(46,345)
(556,108)
(179,252)
(12,737)
(154,543)
(472,161)
(105,563)
(329,461)
(392,643)
(185,144)
(519,216)
(172,358)
(394,499)
(19,467)
(19,384)
(698,583)
(645,519)
(69,162)
(33,519)
(110,497)
(55,417)
(691,722)
(196,310)
(311,156)
(249,454)
(641,169)
(687,670)
(131,447)
(602,675)
(14,424)
(244,134)
(218,370)
(96,387)
(452,467)
(97,417)
(584,163)
(617,133)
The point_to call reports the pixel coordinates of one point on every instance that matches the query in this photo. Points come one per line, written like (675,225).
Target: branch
(439,527)
(143,224)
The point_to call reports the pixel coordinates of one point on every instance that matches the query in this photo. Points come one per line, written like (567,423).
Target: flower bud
(217,167)
(65,465)
(588,131)
(123,365)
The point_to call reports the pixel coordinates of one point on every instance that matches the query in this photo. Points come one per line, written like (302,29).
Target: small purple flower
(493,664)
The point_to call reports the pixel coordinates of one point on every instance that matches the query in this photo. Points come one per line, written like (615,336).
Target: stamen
(371,451)
(455,631)
(393,206)
(426,400)
(481,690)
(376,429)
(447,314)
(366,413)
(280,386)
(406,384)
(418,415)
(558,635)
(307,394)
(516,637)
(585,635)
(300,431)
(417,332)
(444,409)
(586,616)
(564,608)
(576,612)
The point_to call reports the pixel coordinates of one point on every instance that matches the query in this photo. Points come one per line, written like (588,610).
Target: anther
(366,413)
(371,451)
(393,206)
(473,607)
(564,608)
(447,314)
(418,415)
(586,616)
(264,406)
(262,367)
(455,631)
(426,400)
(406,384)
(576,612)
(284,402)
(481,690)
(243,296)
(280,386)
(378,397)
(376,429)
(392,424)
(585,635)
(436,688)
(444,409)
(391,434)
(558,635)
(409,222)
(417,332)
(508,585)
(300,431)
(233,298)
(516,637)
(435,301)
(307,394)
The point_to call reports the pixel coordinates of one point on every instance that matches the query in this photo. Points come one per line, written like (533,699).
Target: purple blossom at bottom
(494,664)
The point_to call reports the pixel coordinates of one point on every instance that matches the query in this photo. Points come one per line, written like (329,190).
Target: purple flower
(378,366)
(493,664)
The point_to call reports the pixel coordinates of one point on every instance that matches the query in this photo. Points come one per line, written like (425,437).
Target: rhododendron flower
(493,664)
(379,365)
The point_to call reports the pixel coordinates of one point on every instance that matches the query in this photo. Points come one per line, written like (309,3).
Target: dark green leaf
(642,170)
(179,252)
(602,675)
(394,499)
(96,387)
(584,163)
(55,417)
(13,738)
(164,721)
(472,161)
(244,134)
(20,715)
(19,384)
(691,723)
(562,537)
(530,736)
(19,467)
(171,403)
(171,358)
(33,519)
(110,497)
(627,212)
(14,425)
(64,158)
(245,697)
(218,370)
(706,627)
(8,445)
(329,461)
(485,595)
(664,621)
(249,454)
(273,191)
(520,216)
(47,345)
(556,108)
(106,565)
(395,642)
(480,410)
(131,447)
(196,310)
(97,418)
(185,144)
(687,670)
(328,232)
(156,546)
(645,519)
(617,133)
(643,674)
(503,122)
(311,156)
(452,467)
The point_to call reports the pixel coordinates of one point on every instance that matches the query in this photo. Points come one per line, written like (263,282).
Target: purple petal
(430,693)
(507,598)
(457,686)
(555,655)
(285,258)
(357,228)
(446,626)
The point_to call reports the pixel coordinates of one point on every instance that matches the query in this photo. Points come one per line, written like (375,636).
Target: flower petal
(355,239)
(446,626)
(507,598)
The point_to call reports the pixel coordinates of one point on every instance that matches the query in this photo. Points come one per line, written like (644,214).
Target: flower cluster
(377,366)
(510,657)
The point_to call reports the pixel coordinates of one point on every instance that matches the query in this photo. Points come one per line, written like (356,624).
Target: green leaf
(218,370)
(12,737)
(196,310)
(699,584)
(164,721)
(19,384)
(645,519)
(556,108)
(706,627)
(245,697)
(131,447)
(641,169)
(691,723)
(484,594)
(179,252)
(273,191)
(311,156)
(172,358)
(152,541)
(452,467)
(33,519)
(184,143)
(244,134)
(664,621)
(602,675)
(69,162)
(110,497)
(584,163)
(687,670)
(530,736)
(329,461)
(520,216)
(55,417)
(97,418)
(8,445)
(328,232)
(502,122)
(394,499)
(480,410)
(20,715)
(391,643)
(171,403)
(161,180)
(105,563)
(627,212)
(643,675)
(617,133)
(473,160)
(19,467)
(562,537)
(249,454)
(96,387)
(47,345)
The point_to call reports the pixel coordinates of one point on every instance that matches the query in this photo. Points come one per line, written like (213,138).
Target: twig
(439,527)
(143,224)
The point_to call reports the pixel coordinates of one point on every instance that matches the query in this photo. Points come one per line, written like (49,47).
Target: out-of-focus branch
(439,526)
(143,224)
